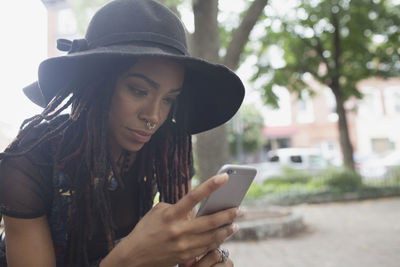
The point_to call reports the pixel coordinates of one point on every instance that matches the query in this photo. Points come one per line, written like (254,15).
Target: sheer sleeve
(25,192)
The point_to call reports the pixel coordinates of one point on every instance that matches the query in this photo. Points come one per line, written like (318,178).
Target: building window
(382,145)
(392,100)
(276,143)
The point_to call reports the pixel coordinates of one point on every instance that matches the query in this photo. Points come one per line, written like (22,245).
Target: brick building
(373,121)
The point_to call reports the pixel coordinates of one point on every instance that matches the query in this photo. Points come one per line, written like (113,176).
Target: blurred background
(321,115)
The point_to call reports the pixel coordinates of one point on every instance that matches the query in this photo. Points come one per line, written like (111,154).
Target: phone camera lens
(229,172)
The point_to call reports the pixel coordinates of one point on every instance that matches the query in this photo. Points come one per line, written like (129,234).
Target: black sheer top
(26,191)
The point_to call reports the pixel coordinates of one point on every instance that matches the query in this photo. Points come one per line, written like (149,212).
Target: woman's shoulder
(40,130)
(26,174)
(38,143)
(25,186)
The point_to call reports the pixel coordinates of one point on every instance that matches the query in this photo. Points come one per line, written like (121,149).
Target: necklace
(112,183)
(123,165)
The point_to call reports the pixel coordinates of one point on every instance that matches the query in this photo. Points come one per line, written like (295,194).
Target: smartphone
(232,192)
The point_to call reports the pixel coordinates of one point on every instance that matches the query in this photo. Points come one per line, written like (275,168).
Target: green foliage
(296,186)
(335,180)
(171,3)
(290,180)
(254,191)
(366,44)
(393,176)
(246,125)
(338,42)
(343,180)
(229,21)
(289,176)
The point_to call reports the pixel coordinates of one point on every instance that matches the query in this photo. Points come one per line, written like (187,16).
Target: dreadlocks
(80,150)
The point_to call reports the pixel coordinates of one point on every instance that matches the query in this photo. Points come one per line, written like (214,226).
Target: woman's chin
(133,147)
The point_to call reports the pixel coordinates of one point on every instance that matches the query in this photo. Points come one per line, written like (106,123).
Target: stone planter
(270,221)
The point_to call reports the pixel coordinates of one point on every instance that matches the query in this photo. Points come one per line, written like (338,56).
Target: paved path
(353,234)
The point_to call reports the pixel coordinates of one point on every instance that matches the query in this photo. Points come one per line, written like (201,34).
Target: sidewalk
(353,234)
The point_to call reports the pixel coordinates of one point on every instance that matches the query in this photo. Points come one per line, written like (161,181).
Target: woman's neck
(124,161)
(121,159)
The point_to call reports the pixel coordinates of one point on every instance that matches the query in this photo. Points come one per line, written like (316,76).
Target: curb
(287,224)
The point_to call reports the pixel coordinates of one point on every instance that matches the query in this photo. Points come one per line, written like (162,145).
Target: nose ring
(150,125)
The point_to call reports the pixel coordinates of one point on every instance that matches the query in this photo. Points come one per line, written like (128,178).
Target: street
(352,234)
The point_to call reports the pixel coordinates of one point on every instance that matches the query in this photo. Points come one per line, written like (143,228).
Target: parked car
(299,158)
(308,159)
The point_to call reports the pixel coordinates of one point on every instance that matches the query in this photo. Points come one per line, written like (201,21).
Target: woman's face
(144,93)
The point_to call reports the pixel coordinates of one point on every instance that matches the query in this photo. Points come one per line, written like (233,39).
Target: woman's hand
(166,235)
(212,258)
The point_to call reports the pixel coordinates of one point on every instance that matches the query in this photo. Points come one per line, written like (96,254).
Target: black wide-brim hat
(124,29)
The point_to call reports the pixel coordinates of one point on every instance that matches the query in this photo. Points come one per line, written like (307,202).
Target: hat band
(118,38)
(72,46)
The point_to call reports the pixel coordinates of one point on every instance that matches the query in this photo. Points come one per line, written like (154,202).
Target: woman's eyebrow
(146,79)
(177,90)
(151,82)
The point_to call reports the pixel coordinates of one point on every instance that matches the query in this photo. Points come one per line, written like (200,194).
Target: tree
(205,42)
(245,130)
(212,146)
(338,42)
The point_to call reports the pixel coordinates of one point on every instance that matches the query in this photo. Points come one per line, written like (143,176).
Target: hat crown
(135,20)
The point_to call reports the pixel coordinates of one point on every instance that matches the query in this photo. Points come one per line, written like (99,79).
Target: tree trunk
(205,40)
(212,152)
(241,35)
(211,147)
(345,143)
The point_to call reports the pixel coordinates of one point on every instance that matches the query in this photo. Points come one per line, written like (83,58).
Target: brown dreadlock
(81,150)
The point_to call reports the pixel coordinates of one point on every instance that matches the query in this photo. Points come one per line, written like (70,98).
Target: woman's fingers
(204,242)
(227,263)
(209,222)
(189,201)
(213,258)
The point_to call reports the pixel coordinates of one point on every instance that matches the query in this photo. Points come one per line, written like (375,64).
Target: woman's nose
(151,112)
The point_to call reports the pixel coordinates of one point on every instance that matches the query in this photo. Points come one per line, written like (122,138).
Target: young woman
(77,189)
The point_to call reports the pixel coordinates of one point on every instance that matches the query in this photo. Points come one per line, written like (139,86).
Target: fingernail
(220,179)
(235,227)
(239,212)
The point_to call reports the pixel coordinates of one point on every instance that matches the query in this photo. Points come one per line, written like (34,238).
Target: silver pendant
(112,182)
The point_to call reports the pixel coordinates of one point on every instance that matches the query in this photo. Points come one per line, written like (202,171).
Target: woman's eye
(169,100)
(137,92)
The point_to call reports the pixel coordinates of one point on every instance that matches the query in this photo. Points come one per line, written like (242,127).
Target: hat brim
(214,92)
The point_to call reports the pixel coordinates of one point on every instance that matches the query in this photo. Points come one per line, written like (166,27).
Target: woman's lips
(140,136)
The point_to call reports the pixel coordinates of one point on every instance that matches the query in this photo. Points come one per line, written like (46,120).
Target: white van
(308,159)
(299,158)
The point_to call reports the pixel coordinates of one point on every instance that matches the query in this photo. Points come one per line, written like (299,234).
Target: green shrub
(254,191)
(289,176)
(393,176)
(343,180)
